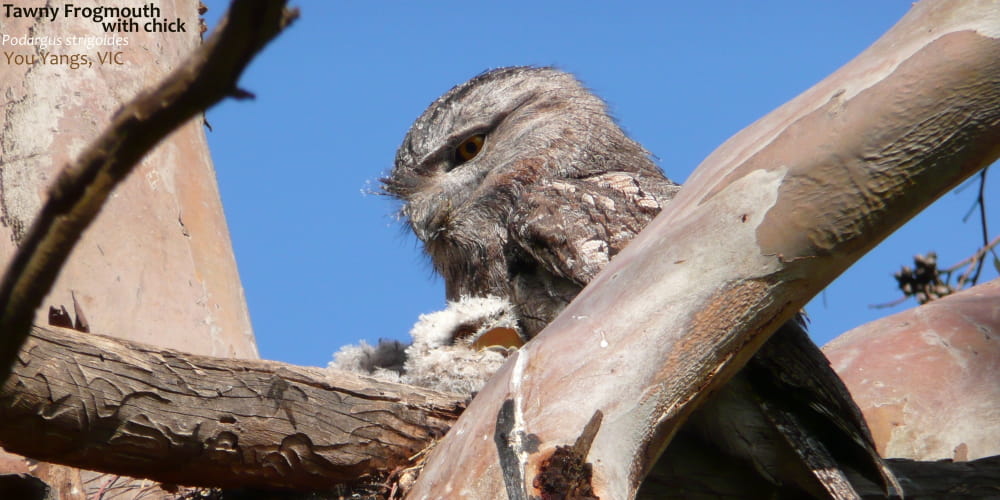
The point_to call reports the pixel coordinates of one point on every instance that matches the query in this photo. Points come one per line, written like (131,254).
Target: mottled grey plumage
(521,186)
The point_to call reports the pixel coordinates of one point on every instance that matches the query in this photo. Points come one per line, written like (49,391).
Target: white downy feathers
(442,355)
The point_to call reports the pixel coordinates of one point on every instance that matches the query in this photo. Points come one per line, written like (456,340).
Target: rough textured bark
(92,401)
(925,378)
(765,222)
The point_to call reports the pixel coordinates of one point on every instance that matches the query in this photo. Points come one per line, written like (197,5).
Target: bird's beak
(427,223)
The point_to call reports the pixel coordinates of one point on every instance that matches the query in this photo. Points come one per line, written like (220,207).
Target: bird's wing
(574,226)
(563,231)
(801,391)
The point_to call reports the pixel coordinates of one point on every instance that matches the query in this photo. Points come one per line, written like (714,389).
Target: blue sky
(325,264)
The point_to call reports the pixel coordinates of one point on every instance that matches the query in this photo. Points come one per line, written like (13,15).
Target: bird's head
(476,147)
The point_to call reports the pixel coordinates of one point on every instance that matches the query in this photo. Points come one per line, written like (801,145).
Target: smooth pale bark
(925,377)
(763,224)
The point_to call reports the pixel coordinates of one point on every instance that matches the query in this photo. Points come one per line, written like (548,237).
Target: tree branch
(131,409)
(919,376)
(107,404)
(76,196)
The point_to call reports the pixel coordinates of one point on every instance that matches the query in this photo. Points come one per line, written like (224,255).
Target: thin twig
(887,305)
(944,275)
(972,258)
(981,199)
(209,75)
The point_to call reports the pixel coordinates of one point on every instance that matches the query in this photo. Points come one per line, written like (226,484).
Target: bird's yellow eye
(469,148)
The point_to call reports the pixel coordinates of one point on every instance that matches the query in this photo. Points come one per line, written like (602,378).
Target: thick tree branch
(765,222)
(126,408)
(923,377)
(78,193)
(101,403)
